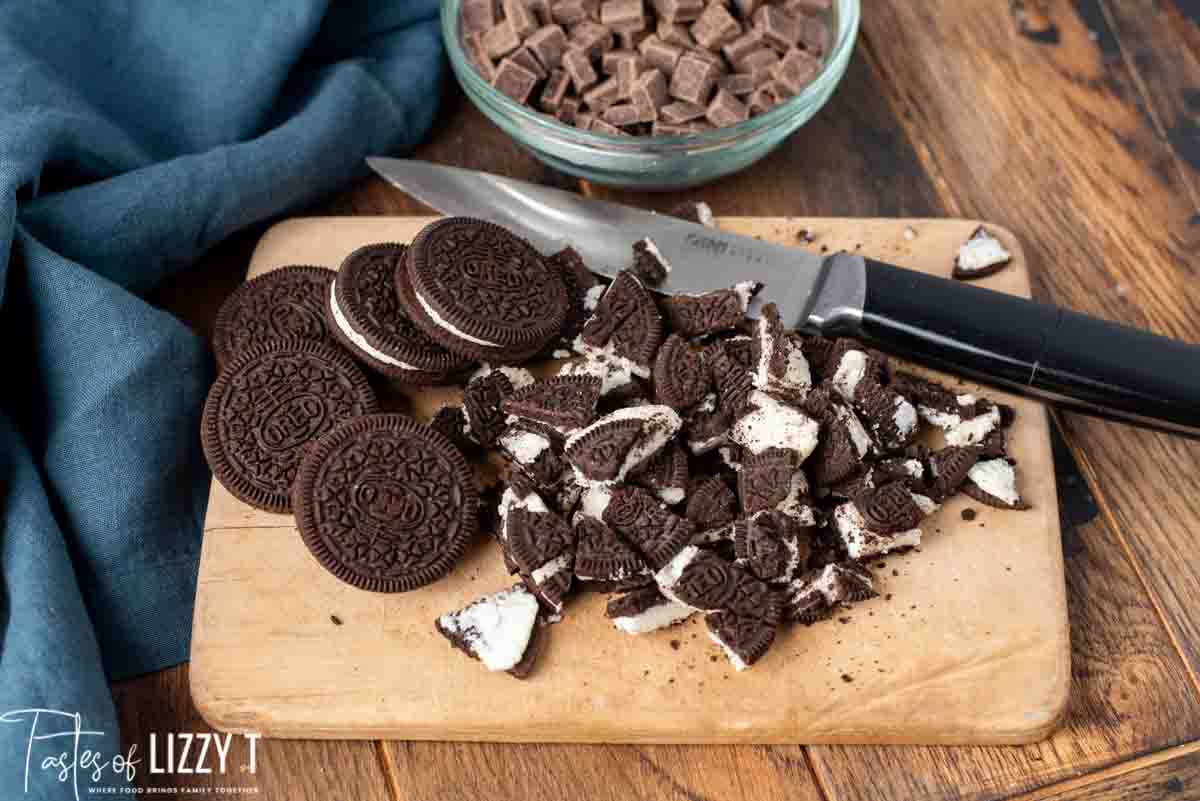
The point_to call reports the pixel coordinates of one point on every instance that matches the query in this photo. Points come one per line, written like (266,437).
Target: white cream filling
(439,322)
(997,478)
(524,446)
(654,251)
(792,505)
(608,354)
(926,504)
(858,434)
(359,341)
(974,430)
(982,251)
(496,628)
(773,424)
(519,377)
(613,375)
(670,495)
(745,292)
(591,298)
(704,214)
(669,575)
(850,372)
(936,417)
(659,616)
(735,660)
(712,535)
(595,500)
(904,417)
(509,501)
(861,542)
(551,569)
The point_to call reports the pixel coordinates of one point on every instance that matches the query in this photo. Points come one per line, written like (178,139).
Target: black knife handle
(1070,359)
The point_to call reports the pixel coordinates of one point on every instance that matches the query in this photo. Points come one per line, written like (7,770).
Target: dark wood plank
(1130,695)
(288,770)
(599,773)
(1173,774)
(853,159)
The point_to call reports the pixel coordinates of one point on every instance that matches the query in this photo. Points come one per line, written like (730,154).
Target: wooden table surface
(1085,141)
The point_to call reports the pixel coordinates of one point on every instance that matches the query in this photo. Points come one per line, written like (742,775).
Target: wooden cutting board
(967,644)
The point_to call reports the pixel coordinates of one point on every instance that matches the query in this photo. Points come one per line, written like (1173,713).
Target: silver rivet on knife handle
(839,296)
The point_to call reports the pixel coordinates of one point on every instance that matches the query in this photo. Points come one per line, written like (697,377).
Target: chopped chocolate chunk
(742,46)
(519,16)
(548,43)
(592,38)
(501,40)
(650,89)
(477,52)
(676,33)
(693,79)
(514,80)
(814,36)
(579,69)
(603,95)
(715,26)
(623,15)
(777,28)
(554,92)
(478,16)
(625,114)
(660,55)
(676,11)
(796,70)
(725,110)
(680,112)
(739,84)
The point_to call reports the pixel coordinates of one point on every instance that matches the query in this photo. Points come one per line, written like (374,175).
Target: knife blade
(603,233)
(1078,362)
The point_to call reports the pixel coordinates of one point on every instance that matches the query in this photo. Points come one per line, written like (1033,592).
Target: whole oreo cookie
(267,404)
(282,304)
(481,291)
(364,314)
(385,503)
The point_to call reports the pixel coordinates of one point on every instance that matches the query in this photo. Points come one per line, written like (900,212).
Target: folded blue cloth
(135,134)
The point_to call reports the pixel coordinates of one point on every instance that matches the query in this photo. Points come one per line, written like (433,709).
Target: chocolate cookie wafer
(282,304)
(384,503)
(271,401)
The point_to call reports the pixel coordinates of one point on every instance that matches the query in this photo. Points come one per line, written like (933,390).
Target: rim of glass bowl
(848,12)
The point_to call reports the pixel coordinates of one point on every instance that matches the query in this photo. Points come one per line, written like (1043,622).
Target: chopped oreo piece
(891,418)
(541,545)
(994,482)
(696,211)
(889,509)
(706,582)
(579,282)
(645,610)
(861,542)
(482,399)
(561,404)
(619,443)
(496,629)
(604,560)
(777,359)
(743,639)
(814,595)
(980,256)
(707,426)
(681,379)
(770,423)
(710,503)
(765,479)
(657,532)
(648,262)
(451,423)
(773,545)
(535,454)
(949,468)
(625,325)
(709,312)
(666,474)
(733,382)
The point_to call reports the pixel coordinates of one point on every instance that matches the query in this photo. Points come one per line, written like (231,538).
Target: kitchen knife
(1078,362)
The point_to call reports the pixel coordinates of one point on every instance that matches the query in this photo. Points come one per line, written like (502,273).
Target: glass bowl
(653,162)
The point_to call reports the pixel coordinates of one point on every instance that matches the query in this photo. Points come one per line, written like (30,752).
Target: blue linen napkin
(134,135)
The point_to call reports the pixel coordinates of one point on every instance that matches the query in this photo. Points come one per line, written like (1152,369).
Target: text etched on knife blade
(723,248)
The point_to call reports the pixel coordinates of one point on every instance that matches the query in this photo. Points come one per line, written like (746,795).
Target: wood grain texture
(1054,141)
(972,648)
(1130,695)
(603,773)
(293,770)
(1172,775)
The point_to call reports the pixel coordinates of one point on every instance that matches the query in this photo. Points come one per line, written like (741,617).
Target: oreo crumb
(335,620)
(968,514)
(674,645)
(846,677)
